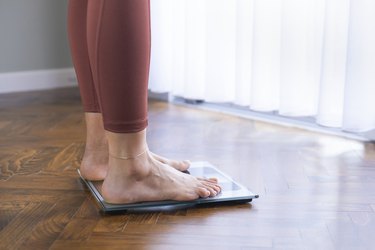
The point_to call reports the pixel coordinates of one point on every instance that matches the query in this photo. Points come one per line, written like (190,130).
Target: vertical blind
(297,57)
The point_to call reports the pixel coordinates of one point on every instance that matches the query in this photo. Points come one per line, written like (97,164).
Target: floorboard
(316,191)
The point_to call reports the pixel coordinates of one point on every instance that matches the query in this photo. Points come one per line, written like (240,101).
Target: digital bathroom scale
(232,192)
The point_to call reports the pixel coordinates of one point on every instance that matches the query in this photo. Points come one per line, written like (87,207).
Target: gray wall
(33,35)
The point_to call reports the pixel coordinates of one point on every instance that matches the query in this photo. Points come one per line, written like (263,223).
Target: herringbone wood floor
(316,191)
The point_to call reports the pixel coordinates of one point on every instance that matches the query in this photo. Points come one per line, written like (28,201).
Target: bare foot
(94,165)
(147,179)
(179,165)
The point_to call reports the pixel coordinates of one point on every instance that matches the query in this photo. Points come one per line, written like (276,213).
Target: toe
(203,192)
(214,186)
(182,165)
(179,165)
(211,179)
(210,189)
(186,163)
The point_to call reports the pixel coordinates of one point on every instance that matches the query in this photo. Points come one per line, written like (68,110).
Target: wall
(33,44)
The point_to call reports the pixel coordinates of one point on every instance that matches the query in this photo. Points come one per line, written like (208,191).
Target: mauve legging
(110,43)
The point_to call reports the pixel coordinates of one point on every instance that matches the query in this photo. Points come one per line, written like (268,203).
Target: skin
(94,165)
(147,177)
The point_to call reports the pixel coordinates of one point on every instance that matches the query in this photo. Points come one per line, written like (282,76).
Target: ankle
(133,167)
(95,133)
(127,144)
(129,157)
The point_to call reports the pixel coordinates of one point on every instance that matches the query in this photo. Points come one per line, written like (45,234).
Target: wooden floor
(316,191)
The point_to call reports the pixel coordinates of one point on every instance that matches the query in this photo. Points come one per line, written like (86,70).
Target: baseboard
(159,96)
(273,118)
(37,80)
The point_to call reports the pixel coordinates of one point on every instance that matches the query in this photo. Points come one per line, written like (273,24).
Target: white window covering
(297,57)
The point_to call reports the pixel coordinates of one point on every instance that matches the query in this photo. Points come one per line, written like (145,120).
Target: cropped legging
(110,44)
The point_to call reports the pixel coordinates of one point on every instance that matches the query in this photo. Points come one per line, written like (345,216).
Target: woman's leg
(94,163)
(77,16)
(143,178)
(120,46)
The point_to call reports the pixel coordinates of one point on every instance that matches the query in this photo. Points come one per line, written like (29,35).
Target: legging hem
(126,127)
(91,110)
